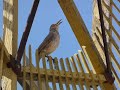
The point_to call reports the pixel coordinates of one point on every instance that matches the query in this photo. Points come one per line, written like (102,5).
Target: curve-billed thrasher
(51,42)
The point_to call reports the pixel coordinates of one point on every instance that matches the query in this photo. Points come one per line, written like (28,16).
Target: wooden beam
(75,20)
(10,27)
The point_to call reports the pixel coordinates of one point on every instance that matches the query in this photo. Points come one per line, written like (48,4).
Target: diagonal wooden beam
(77,24)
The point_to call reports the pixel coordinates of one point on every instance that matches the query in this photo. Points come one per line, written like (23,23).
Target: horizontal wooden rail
(56,75)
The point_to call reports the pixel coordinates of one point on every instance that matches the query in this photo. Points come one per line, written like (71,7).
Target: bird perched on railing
(51,42)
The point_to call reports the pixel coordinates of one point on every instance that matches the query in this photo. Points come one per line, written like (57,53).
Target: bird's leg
(49,58)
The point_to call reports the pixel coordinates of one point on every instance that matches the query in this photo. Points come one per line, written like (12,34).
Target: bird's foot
(49,57)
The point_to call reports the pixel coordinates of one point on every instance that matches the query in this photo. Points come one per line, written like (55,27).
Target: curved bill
(59,22)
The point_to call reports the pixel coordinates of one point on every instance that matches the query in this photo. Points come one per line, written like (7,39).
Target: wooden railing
(74,72)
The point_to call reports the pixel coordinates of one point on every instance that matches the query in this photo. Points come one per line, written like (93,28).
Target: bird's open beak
(59,22)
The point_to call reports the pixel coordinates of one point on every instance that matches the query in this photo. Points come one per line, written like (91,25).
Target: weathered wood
(82,70)
(101,83)
(69,69)
(1,65)
(50,75)
(112,27)
(116,76)
(79,28)
(46,75)
(115,6)
(24,70)
(60,80)
(87,68)
(63,69)
(75,69)
(51,67)
(107,24)
(110,11)
(30,64)
(113,42)
(10,25)
(10,38)
(38,72)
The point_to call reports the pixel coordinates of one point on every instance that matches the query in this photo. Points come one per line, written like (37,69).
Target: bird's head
(55,26)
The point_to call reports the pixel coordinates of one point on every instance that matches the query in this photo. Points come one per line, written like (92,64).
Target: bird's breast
(54,43)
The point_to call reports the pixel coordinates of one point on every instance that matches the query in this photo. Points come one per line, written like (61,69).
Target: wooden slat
(113,42)
(115,6)
(82,70)
(44,66)
(116,34)
(53,76)
(118,22)
(116,76)
(110,29)
(1,64)
(99,44)
(24,70)
(66,79)
(30,64)
(60,80)
(111,38)
(39,71)
(75,69)
(91,72)
(98,31)
(87,67)
(111,53)
(69,69)
(117,65)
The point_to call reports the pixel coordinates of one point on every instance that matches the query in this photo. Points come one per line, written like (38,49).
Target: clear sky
(49,12)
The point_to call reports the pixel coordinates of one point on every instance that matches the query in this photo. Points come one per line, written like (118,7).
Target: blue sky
(49,12)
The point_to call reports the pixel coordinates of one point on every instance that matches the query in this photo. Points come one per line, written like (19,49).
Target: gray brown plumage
(51,42)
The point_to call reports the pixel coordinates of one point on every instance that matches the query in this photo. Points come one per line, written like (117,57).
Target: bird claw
(49,57)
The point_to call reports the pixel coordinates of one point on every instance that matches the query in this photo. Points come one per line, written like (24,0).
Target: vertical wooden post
(38,69)
(66,79)
(69,69)
(86,65)
(10,25)
(46,76)
(30,64)
(1,65)
(10,37)
(60,80)
(53,79)
(82,70)
(75,67)
(24,70)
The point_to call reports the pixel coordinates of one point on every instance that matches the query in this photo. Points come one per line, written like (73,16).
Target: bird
(51,42)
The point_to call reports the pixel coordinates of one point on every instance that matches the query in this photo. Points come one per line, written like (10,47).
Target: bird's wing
(45,42)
